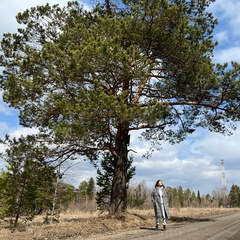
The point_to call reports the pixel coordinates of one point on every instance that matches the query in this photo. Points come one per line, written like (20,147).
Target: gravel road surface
(220,227)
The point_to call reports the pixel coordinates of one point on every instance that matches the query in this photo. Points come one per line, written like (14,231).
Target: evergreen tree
(180,196)
(137,196)
(105,174)
(234,196)
(66,194)
(86,194)
(83,196)
(187,196)
(104,181)
(87,79)
(27,185)
(208,200)
(193,199)
(170,196)
(91,188)
(199,200)
(140,195)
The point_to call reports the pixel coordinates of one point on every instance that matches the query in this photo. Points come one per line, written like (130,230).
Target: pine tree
(199,200)
(234,196)
(137,196)
(193,199)
(105,174)
(83,195)
(91,188)
(66,194)
(24,190)
(187,196)
(87,79)
(180,196)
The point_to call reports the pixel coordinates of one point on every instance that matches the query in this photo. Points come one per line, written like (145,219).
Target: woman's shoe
(156,228)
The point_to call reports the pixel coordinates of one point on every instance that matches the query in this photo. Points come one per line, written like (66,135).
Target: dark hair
(158,182)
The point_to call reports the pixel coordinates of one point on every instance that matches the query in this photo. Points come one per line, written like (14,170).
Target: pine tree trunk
(19,204)
(55,197)
(118,202)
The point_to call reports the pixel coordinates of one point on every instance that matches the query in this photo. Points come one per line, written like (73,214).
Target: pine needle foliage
(86,79)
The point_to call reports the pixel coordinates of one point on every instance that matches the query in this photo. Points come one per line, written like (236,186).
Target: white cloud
(82,172)
(10,8)
(194,163)
(227,55)
(221,36)
(227,31)
(4,109)
(16,133)
(3,128)
(13,133)
(227,11)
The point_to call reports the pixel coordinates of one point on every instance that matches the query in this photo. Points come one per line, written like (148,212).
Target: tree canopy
(86,79)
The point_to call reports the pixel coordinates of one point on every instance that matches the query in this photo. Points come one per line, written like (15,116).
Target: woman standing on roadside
(160,201)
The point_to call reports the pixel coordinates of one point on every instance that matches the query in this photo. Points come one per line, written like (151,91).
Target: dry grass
(73,225)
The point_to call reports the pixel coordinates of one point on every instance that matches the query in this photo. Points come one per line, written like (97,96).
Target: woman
(160,200)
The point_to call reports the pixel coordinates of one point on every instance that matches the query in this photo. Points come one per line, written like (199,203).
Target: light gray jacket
(156,199)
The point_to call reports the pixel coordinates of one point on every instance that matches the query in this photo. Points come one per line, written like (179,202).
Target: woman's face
(160,183)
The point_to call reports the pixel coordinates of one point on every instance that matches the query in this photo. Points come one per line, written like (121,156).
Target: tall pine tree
(87,79)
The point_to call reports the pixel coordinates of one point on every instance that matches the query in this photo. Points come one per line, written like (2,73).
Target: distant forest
(24,196)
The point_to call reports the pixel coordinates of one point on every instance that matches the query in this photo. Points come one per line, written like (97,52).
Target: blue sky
(194,163)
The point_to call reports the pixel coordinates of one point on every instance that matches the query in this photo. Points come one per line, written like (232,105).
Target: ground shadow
(180,220)
(189,219)
(149,228)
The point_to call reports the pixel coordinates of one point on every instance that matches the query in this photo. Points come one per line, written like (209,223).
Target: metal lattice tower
(224,185)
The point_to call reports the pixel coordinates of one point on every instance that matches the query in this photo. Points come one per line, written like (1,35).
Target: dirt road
(220,227)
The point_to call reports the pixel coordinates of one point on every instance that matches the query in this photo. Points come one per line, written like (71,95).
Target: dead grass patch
(82,225)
